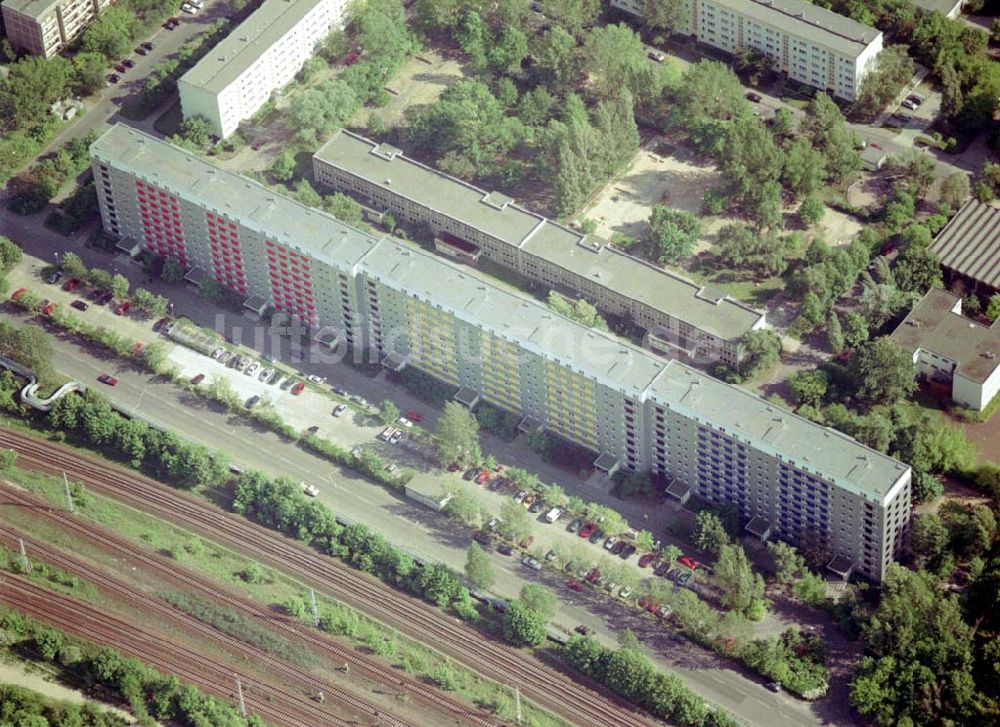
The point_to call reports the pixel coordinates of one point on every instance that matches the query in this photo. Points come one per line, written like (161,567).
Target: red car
(197,378)
(71,284)
(297,389)
(575,586)
(351,58)
(587,529)
(47,310)
(109,380)
(123,308)
(645,560)
(482,477)
(16,295)
(414,416)
(594,575)
(688,561)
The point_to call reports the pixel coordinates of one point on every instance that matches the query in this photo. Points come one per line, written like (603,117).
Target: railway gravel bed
(265,699)
(450,711)
(549,687)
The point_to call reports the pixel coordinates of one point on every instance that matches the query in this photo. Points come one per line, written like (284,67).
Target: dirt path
(21,675)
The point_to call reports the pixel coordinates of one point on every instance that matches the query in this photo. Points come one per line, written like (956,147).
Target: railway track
(450,709)
(540,683)
(178,619)
(262,698)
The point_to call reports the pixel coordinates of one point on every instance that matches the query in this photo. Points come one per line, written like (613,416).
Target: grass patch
(977,417)
(228,567)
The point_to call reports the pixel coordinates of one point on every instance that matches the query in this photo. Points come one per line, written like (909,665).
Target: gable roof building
(969,247)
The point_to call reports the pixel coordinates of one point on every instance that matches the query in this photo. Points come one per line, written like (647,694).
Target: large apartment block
(806,42)
(262,54)
(469,223)
(44,27)
(789,477)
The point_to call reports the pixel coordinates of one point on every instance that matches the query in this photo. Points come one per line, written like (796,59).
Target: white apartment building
(258,57)
(44,27)
(808,43)
(789,477)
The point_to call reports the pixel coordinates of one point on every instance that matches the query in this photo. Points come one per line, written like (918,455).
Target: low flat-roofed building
(949,8)
(468,222)
(952,353)
(969,248)
(259,56)
(44,27)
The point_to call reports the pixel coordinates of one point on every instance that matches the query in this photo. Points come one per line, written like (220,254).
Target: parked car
(662,568)
(574,527)
(112,78)
(658,56)
(774,687)
(618,547)
(16,295)
(575,586)
(147,45)
(54,277)
(48,308)
(414,416)
(160,325)
(587,529)
(224,357)
(673,574)
(316,379)
(141,51)
(252,401)
(482,538)
(265,374)
(595,537)
(189,8)
(216,353)
(551,556)
(297,389)
(646,559)
(527,541)
(339,391)
(505,549)
(552,515)
(339,409)
(109,380)
(197,378)
(582,630)
(496,483)
(625,592)
(627,552)
(251,369)
(519,497)
(594,576)
(123,308)
(386,433)
(470,474)
(482,477)
(683,579)
(396,436)
(404,422)
(754,97)
(310,490)
(610,542)
(537,506)
(70,285)
(356,453)
(530,562)
(688,562)
(79,305)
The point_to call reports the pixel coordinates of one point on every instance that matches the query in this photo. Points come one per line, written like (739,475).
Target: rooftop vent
(387,182)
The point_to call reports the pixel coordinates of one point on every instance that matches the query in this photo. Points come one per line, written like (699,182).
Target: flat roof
(32,8)
(246,43)
(970,243)
(945,7)
(819,25)
(934,325)
(274,215)
(497,215)
(830,454)
(514,316)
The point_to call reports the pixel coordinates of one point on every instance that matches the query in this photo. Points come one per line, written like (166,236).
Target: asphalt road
(436,537)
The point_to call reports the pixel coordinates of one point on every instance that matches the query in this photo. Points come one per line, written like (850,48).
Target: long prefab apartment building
(262,54)
(808,43)
(468,223)
(45,27)
(790,478)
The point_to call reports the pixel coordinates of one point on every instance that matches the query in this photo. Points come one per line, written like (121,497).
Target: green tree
(881,372)
(321,110)
(824,125)
(615,58)
(347,210)
(928,539)
(478,568)
(73,266)
(992,311)
(112,33)
(283,166)
(809,387)
(515,522)
(173,270)
(741,587)
(709,533)
(388,412)
(955,189)
(539,599)
(812,210)
(555,57)
(644,540)
(457,435)
(119,286)
(761,350)
(803,168)
(855,329)
(523,626)
(674,232)
(573,15)
(88,72)
(811,589)
(666,15)
(788,562)
(834,333)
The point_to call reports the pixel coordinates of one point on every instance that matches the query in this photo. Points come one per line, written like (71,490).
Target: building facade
(953,355)
(468,223)
(44,27)
(259,56)
(807,43)
(407,307)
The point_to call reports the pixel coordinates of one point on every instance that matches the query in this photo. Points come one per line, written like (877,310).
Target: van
(552,515)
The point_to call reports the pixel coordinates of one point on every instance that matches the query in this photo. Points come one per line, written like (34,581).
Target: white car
(316,379)
(396,436)
(339,409)
(251,369)
(552,515)
(404,422)
(217,352)
(519,497)
(189,8)
(386,434)
(625,592)
(356,453)
(310,490)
